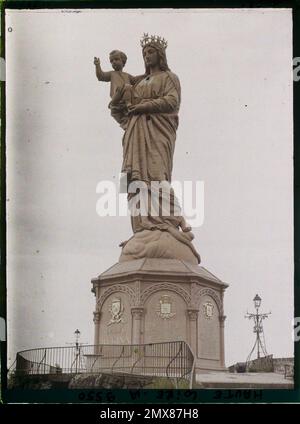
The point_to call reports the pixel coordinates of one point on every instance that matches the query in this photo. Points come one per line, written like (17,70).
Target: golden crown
(153,39)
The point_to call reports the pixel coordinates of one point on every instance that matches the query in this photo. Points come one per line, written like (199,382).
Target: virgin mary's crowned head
(149,45)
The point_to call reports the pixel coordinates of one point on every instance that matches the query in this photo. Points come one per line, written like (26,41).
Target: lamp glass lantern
(257,301)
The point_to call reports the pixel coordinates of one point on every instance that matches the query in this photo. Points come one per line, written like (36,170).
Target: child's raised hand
(96,61)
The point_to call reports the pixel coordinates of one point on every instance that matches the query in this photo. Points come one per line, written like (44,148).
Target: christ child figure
(121,84)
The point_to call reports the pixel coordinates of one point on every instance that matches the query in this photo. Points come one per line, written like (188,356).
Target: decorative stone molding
(137,288)
(209,292)
(194,290)
(165,286)
(97,317)
(166,308)
(137,312)
(222,294)
(116,310)
(192,314)
(208,309)
(117,288)
(222,319)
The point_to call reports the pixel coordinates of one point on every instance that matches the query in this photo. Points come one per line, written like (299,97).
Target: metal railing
(173,360)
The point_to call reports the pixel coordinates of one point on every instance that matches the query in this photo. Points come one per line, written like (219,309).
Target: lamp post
(256,300)
(258,328)
(77,335)
(77,352)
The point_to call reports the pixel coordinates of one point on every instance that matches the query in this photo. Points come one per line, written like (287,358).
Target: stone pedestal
(158,300)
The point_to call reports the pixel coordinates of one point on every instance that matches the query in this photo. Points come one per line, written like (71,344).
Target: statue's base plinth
(158,300)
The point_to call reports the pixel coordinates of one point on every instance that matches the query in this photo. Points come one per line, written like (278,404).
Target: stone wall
(160,300)
(116,332)
(264,364)
(109,381)
(208,330)
(165,328)
(280,363)
(83,381)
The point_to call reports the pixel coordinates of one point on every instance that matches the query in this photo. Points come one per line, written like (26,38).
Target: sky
(235,135)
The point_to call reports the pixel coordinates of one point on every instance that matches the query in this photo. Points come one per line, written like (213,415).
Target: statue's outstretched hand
(96,61)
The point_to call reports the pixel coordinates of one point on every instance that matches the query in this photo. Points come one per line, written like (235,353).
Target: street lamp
(257,301)
(77,335)
(258,328)
(77,350)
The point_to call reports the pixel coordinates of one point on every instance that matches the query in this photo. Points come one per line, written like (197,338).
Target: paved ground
(251,380)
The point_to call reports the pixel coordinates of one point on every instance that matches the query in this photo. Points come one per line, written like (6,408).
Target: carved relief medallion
(166,307)
(116,310)
(208,310)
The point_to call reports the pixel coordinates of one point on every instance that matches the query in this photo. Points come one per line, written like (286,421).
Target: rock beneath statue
(158,244)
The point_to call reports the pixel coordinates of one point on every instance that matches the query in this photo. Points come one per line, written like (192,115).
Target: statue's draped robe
(149,139)
(149,142)
(148,148)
